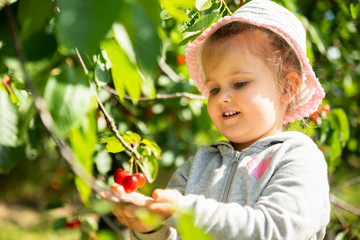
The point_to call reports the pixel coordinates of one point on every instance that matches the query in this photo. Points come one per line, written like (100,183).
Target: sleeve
(294,205)
(164,233)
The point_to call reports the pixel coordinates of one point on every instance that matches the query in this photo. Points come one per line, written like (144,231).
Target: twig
(166,69)
(113,126)
(339,216)
(158,96)
(107,116)
(226,6)
(81,61)
(340,203)
(349,182)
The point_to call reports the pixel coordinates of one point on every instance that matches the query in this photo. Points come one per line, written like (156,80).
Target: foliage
(62,60)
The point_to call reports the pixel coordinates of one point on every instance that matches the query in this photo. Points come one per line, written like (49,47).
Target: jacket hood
(225,147)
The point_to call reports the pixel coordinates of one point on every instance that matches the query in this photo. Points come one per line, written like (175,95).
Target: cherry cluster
(129,181)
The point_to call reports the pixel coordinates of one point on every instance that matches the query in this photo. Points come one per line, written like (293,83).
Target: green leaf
(150,167)
(148,86)
(105,234)
(187,229)
(39,46)
(354,10)
(153,9)
(175,8)
(59,224)
(84,190)
(124,72)
(113,145)
(33,16)
(317,38)
(143,34)
(156,150)
(132,137)
(68,97)
(83,24)
(204,22)
(9,157)
(189,38)
(102,76)
(340,236)
(343,125)
(334,152)
(83,141)
(203,4)
(8,121)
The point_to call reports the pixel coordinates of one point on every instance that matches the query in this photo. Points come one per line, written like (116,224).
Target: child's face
(244,102)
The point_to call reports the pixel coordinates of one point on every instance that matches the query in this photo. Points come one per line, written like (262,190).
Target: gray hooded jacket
(275,189)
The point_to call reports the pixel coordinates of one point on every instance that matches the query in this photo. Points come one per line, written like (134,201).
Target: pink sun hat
(266,14)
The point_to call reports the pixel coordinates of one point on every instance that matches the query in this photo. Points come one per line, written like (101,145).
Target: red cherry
(180,59)
(130,183)
(326,108)
(73,224)
(314,116)
(141,178)
(120,174)
(149,112)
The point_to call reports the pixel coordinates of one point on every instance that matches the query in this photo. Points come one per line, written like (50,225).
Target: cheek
(264,107)
(211,109)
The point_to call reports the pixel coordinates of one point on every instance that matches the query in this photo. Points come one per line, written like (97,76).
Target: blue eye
(240,84)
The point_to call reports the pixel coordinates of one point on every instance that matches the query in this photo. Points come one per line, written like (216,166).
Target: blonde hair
(279,55)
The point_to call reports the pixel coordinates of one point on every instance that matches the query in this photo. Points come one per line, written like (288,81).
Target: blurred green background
(134,49)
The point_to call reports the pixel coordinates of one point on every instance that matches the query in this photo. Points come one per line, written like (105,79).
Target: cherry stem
(131,164)
(226,6)
(136,166)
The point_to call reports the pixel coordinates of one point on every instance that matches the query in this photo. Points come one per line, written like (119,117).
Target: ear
(293,81)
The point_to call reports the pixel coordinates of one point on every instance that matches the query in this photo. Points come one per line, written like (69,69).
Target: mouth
(230,114)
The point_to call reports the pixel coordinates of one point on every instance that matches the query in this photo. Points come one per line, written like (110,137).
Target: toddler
(263,183)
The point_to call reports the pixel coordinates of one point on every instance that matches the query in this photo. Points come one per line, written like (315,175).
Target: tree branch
(113,126)
(349,183)
(107,116)
(340,203)
(166,69)
(158,96)
(339,216)
(226,6)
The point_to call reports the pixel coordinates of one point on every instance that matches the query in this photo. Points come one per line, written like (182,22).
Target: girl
(264,183)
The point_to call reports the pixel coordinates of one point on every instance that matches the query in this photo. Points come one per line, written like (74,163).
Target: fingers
(164,202)
(165,195)
(127,215)
(109,196)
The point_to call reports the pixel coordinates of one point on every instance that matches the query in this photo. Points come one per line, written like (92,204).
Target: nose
(225,96)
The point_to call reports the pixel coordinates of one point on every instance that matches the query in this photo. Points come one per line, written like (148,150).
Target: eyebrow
(241,72)
(207,80)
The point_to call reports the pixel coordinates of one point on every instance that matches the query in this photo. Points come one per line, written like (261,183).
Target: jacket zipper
(231,176)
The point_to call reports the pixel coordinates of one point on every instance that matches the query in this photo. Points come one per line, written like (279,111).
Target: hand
(163,204)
